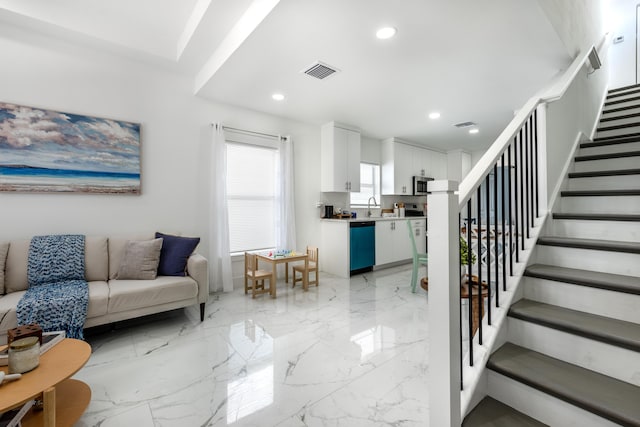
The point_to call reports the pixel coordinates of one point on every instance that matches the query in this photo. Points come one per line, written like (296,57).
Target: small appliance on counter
(328,211)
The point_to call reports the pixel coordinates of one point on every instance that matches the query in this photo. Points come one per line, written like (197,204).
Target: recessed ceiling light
(277,96)
(386,33)
(434,115)
(475,130)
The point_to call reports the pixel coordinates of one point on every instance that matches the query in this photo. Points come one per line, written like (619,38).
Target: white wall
(622,56)
(579,23)
(175,133)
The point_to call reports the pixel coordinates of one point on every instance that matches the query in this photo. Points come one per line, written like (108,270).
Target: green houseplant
(464,253)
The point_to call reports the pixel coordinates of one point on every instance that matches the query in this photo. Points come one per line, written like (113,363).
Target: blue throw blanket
(58,294)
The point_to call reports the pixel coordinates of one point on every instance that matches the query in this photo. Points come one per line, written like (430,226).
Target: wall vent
(320,70)
(465,125)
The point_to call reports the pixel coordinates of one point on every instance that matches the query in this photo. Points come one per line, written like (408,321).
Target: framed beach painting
(47,151)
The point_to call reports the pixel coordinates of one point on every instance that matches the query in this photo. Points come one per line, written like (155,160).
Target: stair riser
(617,132)
(634,110)
(601,204)
(621,104)
(626,94)
(607,164)
(606,230)
(603,302)
(539,405)
(613,148)
(618,182)
(586,259)
(627,120)
(594,355)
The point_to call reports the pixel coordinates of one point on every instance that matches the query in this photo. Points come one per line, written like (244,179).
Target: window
(251,196)
(369,185)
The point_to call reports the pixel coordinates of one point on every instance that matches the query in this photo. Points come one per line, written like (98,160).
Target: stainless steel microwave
(420,185)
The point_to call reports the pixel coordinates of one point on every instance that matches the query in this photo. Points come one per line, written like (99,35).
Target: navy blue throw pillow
(175,252)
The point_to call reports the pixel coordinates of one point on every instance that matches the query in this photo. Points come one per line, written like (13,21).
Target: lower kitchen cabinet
(392,241)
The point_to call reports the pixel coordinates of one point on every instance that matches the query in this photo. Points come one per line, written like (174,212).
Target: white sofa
(110,300)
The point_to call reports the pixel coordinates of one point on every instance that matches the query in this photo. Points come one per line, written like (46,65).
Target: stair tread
(492,413)
(596,216)
(615,172)
(622,88)
(620,117)
(622,93)
(621,101)
(590,193)
(625,139)
(618,155)
(618,126)
(607,397)
(597,244)
(594,279)
(605,329)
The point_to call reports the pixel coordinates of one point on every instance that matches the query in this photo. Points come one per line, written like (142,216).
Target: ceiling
(469,60)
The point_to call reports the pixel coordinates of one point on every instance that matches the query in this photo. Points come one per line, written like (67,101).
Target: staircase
(572,351)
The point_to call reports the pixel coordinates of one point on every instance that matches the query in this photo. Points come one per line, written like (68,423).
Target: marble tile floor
(351,352)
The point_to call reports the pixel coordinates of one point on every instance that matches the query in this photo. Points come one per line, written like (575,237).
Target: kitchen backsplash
(341,201)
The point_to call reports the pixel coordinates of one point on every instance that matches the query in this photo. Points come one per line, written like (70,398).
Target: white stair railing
(505,194)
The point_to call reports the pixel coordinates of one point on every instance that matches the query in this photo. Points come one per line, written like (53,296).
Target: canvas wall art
(49,151)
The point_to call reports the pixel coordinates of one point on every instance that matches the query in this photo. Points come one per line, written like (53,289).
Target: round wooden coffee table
(65,399)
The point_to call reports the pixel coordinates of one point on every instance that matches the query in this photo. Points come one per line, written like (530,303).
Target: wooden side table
(65,400)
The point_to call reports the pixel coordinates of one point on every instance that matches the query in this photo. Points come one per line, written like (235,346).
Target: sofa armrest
(198,270)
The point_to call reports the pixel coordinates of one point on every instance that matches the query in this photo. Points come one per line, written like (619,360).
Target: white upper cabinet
(402,161)
(340,158)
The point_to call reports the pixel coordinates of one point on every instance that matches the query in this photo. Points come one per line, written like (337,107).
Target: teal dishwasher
(362,253)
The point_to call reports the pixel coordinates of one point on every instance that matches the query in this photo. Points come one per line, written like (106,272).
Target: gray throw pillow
(140,260)
(4,250)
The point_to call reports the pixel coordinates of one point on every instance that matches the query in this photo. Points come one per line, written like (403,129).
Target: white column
(543,192)
(444,304)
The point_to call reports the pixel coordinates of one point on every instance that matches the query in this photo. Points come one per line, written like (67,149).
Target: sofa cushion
(175,252)
(4,248)
(8,304)
(96,258)
(98,299)
(135,294)
(16,266)
(140,260)
(116,250)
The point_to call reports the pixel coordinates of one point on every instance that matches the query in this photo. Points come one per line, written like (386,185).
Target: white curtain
(286,215)
(220,277)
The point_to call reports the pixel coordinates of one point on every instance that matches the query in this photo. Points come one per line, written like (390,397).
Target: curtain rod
(251,132)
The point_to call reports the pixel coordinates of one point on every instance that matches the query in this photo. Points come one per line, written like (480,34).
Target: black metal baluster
(521,167)
(460,302)
(487,183)
(515,197)
(510,210)
(495,236)
(525,194)
(479,224)
(504,250)
(535,144)
(531,183)
(469,291)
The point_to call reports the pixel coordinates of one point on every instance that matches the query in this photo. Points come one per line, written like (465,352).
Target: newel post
(444,304)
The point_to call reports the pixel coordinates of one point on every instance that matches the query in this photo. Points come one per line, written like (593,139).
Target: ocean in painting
(25,178)
(50,151)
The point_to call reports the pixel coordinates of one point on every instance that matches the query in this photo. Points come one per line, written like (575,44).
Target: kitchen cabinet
(340,158)
(402,161)
(392,241)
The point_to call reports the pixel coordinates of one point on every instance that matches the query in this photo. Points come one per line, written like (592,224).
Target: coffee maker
(328,211)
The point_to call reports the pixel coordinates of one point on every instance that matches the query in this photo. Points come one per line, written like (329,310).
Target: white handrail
(486,162)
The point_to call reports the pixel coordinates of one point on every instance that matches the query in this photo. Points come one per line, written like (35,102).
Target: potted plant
(464,260)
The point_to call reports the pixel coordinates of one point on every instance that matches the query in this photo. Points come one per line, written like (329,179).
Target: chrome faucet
(369,205)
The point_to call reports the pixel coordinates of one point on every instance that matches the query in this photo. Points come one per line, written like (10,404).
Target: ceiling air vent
(465,125)
(320,70)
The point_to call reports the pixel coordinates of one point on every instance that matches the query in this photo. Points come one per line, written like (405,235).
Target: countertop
(373,219)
